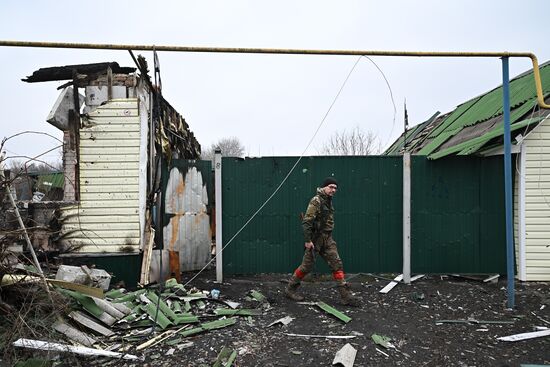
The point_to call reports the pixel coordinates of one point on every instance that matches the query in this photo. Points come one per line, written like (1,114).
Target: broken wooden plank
(157,339)
(345,356)
(322,336)
(74,334)
(331,310)
(10,279)
(58,347)
(392,284)
(524,336)
(89,323)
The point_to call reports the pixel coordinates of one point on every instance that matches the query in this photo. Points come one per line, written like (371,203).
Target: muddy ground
(407,315)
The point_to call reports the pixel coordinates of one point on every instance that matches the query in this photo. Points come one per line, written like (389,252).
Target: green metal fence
(457,213)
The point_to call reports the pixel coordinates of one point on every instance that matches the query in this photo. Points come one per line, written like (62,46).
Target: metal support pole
(218,198)
(21,224)
(407,217)
(508,181)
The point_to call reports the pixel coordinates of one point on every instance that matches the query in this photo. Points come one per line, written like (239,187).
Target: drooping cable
(287,175)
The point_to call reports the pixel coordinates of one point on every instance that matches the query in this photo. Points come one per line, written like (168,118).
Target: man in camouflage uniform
(318,223)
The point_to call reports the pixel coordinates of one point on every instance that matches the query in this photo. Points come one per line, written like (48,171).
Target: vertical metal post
(407,217)
(18,216)
(508,182)
(218,198)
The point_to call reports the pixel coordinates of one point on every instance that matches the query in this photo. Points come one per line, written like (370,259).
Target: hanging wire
(287,175)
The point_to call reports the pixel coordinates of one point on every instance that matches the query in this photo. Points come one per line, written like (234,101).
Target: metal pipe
(536,73)
(508,181)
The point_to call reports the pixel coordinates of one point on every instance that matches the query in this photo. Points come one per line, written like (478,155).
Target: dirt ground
(407,314)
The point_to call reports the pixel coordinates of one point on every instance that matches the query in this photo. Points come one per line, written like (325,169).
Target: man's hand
(309,245)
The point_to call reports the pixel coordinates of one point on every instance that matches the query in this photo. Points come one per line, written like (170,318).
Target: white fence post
(407,217)
(218,198)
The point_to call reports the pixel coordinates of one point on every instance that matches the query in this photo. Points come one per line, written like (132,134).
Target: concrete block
(83,275)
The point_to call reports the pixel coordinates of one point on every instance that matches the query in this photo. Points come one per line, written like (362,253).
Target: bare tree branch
(230,147)
(354,142)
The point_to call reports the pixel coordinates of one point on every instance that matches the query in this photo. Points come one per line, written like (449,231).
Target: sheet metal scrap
(345,356)
(257,296)
(382,340)
(331,310)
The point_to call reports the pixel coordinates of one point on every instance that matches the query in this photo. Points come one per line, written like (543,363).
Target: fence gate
(187,207)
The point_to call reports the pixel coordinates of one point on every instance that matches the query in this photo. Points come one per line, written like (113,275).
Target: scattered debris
(85,276)
(257,296)
(48,346)
(331,310)
(492,279)
(382,340)
(322,336)
(379,351)
(524,336)
(74,334)
(471,321)
(392,284)
(225,358)
(345,356)
(285,321)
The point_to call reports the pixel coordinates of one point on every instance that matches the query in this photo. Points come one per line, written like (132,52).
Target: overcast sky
(272,103)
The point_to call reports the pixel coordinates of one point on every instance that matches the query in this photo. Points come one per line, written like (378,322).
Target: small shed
(475,127)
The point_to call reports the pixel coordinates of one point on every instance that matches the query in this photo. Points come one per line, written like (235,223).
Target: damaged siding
(188,230)
(107,219)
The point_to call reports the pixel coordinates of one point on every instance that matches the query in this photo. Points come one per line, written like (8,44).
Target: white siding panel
(110,188)
(107,218)
(89,143)
(111,128)
(119,135)
(537,207)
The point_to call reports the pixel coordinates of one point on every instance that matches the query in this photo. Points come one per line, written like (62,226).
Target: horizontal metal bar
(282,51)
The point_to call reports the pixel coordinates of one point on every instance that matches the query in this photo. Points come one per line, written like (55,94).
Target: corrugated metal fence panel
(107,218)
(188,203)
(368,212)
(458,222)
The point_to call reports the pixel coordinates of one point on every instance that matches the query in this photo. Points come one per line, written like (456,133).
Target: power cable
(285,178)
(391,96)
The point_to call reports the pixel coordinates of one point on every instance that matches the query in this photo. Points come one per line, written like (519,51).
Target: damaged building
(118,132)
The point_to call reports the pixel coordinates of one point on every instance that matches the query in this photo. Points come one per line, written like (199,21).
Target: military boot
(291,288)
(347,296)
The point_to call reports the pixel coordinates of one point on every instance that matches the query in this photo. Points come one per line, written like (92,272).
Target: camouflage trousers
(326,247)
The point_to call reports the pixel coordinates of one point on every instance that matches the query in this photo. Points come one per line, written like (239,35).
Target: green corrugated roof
(411,134)
(478,142)
(487,106)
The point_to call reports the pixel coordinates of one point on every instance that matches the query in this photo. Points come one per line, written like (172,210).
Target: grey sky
(272,103)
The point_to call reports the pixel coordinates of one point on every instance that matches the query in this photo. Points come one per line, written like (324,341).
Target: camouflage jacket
(319,216)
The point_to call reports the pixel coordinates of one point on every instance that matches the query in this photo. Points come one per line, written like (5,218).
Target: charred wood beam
(67,72)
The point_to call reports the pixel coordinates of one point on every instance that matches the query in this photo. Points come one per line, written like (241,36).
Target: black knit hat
(329,180)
